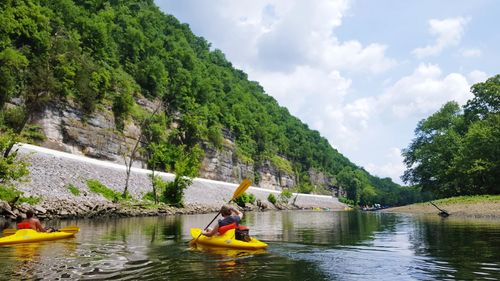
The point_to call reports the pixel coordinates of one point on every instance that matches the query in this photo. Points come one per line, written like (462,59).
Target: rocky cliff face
(69,130)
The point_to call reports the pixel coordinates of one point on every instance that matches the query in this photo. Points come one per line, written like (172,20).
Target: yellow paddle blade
(243,186)
(69,229)
(8,231)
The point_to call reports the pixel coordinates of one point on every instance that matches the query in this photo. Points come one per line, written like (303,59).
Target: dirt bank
(467,206)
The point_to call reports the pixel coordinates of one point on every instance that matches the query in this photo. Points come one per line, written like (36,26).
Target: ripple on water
(303,246)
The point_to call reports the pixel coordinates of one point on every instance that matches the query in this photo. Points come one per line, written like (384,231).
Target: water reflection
(304,245)
(470,248)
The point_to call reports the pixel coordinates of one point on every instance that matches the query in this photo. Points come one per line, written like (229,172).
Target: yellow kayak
(227,240)
(30,236)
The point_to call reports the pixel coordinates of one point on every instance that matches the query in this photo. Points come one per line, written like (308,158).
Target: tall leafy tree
(431,153)
(456,150)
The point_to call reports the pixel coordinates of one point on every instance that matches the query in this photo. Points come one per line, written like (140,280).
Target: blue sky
(361,72)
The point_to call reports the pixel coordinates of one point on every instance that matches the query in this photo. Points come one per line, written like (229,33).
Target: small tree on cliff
(130,154)
(184,162)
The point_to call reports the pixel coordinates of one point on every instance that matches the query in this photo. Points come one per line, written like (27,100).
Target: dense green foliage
(305,188)
(109,53)
(271,198)
(245,198)
(171,193)
(285,196)
(11,194)
(174,191)
(99,188)
(456,150)
(11,169)
(346,201)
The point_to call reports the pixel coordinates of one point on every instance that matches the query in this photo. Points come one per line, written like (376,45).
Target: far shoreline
(484,206)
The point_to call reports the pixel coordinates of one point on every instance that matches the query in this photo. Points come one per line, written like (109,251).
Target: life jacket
(243,227)
(223,229)
(23,225)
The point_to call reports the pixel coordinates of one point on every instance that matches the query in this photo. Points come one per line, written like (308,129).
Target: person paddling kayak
(32,222)
(231,219)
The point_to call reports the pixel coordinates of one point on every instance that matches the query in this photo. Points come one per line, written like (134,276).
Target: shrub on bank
(245,198)
(99,188)
(285,195)
(346,201)
(73,189)
(306,188)
(271,198)
(149,196)
(9,194)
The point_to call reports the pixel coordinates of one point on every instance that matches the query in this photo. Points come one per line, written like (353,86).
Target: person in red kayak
(231,219)
(31,222)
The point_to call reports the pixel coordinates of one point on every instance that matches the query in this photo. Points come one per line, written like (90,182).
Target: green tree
(186,167)
(12,71)
(430,156)
(123,88)
(486,100)
(478,159)
(457,153)
(11,168)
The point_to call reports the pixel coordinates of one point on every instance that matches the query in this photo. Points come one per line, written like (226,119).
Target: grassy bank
(466,206)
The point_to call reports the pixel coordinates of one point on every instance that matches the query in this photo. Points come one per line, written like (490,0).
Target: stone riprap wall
(97,137)
(51,172)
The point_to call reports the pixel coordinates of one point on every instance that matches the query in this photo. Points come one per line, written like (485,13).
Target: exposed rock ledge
(51,172)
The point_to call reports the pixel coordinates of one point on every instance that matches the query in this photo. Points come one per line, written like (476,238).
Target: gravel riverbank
(52,173)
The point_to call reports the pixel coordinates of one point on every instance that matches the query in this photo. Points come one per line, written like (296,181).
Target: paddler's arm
(211,232)
(39,226)
(236,212)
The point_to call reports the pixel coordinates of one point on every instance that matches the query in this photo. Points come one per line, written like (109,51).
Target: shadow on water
(303,245)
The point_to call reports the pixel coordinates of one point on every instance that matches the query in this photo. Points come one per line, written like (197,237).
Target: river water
(303,245)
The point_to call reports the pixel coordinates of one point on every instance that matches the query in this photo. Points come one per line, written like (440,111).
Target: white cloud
(448,32)
(471,53)
(307,92)
(303,35)
(352,56)
(477,76)
(361,111)
(393,167)
(279,35)
(424,92)
(318,99)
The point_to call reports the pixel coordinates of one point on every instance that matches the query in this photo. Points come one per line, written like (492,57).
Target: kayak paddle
(243,186)
(69,229)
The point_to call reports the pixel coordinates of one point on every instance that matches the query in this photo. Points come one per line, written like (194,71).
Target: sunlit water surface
(303,245)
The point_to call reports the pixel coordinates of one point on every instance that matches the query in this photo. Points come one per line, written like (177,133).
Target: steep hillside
(99,75)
